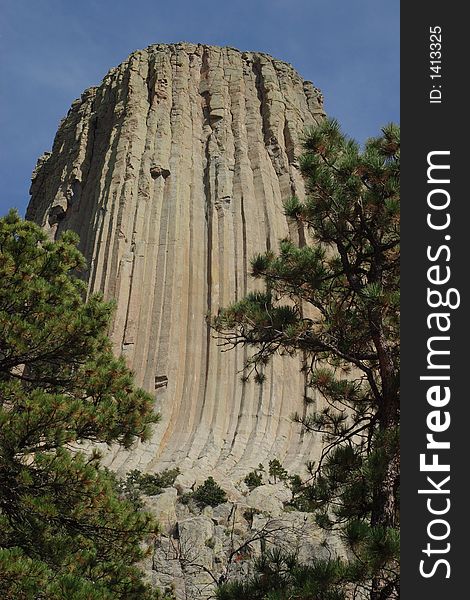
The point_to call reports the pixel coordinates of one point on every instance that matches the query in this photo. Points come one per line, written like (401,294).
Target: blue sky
(52,50)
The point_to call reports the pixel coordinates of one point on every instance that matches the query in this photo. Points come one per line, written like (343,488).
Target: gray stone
(163,506)
(269,498)
(184,156)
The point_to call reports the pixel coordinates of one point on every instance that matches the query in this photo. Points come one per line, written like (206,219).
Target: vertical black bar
(434,119)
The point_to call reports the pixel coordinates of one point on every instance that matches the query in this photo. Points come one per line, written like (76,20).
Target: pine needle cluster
(64,531)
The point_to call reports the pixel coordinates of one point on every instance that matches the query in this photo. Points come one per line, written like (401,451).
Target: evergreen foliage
(277,471)
(64,532)
(254,478)
(280,576)
(208,493)
(136,484)
(335,301)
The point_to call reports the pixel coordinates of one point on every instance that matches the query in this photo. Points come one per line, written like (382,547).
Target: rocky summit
(173,172)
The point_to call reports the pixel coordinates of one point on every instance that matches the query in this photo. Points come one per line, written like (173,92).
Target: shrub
(137,484)
(254,478)
(277,471)
(208,494)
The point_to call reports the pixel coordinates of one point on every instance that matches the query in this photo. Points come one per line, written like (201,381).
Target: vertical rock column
(173,172)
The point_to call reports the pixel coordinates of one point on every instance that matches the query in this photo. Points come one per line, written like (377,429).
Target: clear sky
(51,50)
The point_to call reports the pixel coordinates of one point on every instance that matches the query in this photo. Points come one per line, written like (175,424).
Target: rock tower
(173,172)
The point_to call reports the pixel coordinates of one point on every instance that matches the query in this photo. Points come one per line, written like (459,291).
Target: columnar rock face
(173,172)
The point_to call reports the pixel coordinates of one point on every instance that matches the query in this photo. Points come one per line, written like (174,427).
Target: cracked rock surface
(173,172)
(200,549)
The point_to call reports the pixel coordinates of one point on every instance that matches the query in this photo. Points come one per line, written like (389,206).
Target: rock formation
(199,548)
(173,172)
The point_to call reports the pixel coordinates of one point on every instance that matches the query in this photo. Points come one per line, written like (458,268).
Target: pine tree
(209,493)
(254,478)
(335,300)
(277,471)
(279,576)
(64,532)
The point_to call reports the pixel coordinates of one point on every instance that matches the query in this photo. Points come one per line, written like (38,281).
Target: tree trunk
(385,509)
